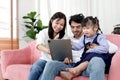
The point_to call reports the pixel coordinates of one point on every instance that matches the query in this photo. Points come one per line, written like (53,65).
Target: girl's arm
(103,46)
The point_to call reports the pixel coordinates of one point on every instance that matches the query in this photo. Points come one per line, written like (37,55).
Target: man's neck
(78,36)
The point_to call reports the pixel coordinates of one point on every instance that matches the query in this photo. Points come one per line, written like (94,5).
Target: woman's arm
(43,48)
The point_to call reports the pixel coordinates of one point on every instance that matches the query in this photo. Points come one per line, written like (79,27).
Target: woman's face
(58,25)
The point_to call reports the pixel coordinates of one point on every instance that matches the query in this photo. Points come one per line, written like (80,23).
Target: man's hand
(67,60)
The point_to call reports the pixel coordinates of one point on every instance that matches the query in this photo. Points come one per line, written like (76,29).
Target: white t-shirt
(42,38)
(76,54)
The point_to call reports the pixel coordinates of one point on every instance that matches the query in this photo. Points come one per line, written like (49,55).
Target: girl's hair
(91,20)
(76,18)
(58,15)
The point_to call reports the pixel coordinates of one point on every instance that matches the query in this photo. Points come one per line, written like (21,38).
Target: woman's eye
(61,24)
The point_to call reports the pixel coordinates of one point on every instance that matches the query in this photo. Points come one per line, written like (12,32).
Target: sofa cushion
(13,72)
(23,70)
(79,78)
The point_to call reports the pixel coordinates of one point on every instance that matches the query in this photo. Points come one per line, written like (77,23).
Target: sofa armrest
(19,56)
(114,73)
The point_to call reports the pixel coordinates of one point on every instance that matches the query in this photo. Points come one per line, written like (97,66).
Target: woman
(55,30)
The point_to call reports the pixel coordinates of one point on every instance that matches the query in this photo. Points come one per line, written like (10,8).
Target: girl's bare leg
(76,71)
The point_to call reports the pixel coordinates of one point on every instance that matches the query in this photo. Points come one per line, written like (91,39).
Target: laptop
(60,49)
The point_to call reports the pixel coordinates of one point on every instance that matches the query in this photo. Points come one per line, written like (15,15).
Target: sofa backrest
(114,38)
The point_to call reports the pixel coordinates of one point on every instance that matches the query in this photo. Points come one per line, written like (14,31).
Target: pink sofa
(15,64)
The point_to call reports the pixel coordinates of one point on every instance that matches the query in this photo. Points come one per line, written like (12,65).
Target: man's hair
(78,18)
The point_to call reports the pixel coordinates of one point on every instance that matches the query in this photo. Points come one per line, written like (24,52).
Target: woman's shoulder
(44,31)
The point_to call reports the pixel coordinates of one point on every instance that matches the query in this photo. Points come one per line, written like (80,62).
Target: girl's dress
(89,55)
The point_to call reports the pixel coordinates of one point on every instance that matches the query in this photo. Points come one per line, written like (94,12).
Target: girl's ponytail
(97,22)
(100,30)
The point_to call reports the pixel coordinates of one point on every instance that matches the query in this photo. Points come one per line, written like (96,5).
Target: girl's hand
(93,45)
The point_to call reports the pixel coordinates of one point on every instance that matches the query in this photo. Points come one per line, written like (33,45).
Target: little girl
(95,45)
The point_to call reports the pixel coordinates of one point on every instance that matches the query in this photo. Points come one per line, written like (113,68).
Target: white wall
(25,6)
(107,11)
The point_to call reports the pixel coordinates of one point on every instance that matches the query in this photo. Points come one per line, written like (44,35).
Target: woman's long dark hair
(92,20)
(58,15)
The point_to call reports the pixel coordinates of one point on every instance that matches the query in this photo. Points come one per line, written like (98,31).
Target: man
(95,69)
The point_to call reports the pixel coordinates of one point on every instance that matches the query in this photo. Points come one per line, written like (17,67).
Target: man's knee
(57,65)
(52,63)
(97,64)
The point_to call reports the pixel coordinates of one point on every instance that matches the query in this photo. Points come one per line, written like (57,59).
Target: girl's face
(58,25)
(90,30)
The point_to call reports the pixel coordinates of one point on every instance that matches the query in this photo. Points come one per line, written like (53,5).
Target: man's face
(76,28)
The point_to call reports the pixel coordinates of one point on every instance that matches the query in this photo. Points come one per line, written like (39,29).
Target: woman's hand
(67,60)
(48,51)
(43,48)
